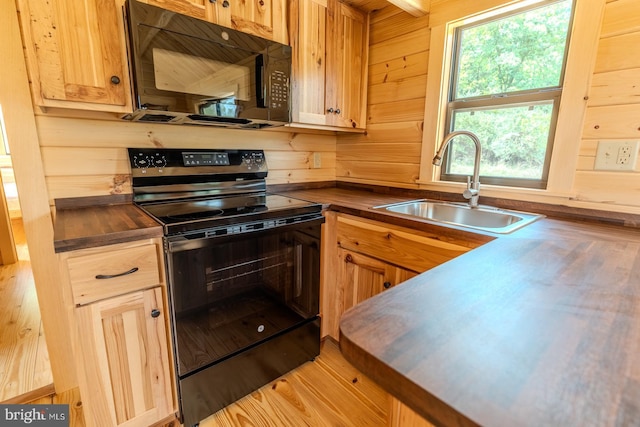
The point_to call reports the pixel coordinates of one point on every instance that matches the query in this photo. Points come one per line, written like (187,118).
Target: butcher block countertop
(536,328)
(98,225)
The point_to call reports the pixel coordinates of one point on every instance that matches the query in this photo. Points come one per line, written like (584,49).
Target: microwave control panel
(279,89)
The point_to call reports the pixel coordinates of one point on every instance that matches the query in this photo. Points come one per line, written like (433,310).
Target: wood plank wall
(86,157)
(613,109)
(389,154)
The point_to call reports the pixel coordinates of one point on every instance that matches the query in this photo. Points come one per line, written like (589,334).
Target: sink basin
(484,218)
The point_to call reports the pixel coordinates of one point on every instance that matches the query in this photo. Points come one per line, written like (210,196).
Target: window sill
(519,193)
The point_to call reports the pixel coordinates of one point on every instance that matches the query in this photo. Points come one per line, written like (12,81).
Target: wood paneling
(379,171)
(399,57)
(615,88)
(399,68)
(613,110)
(612,122)
(392,23)
(395,152)
(21,132)
(404,45)
(621,16)
(611,188)
(396,111)
(100,164)
(399,90)
(387,132)
(614,53)
(389,152)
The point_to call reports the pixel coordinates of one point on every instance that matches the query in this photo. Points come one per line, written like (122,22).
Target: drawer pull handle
(111,276)
(155,313)
(386,285)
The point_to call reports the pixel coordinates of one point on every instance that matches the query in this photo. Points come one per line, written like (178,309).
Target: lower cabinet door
(125,378)
(360,277)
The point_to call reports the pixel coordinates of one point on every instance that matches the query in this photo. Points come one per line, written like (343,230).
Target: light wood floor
(327,392)
(24,360)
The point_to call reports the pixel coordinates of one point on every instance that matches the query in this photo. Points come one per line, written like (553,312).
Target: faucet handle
(470,193)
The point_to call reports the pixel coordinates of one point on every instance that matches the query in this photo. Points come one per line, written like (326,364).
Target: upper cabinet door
(206,10)
(330,57)
(264,18)
(309,51)
(76,53)
(349,67)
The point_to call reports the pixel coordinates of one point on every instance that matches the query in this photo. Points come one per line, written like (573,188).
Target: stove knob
(141,161)
(159,161)
(247,160)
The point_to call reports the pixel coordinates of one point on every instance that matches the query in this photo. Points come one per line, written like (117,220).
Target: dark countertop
(99,225)
(540,327)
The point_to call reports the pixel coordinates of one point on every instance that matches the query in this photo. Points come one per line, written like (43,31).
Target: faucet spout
(472,193)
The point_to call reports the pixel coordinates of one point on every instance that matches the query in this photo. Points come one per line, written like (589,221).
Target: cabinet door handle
(155,313)
(330,110)
(386,285)
(225,3)
(337,111)
(115,80)
(111,276)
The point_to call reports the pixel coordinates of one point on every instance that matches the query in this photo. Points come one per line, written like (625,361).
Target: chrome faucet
(472,193)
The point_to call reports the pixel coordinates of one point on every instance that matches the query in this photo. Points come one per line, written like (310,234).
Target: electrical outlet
(317,160)
(617,155)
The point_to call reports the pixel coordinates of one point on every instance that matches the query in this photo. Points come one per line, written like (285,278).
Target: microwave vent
(162,118)
(233,120)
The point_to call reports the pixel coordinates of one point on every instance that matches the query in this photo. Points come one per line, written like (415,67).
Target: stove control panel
(205,159)
(172,162)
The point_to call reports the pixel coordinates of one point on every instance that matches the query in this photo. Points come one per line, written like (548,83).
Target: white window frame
(579,67)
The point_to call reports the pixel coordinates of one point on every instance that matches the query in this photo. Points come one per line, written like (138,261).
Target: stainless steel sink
(484,218)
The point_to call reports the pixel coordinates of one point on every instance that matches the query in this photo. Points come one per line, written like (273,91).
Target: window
(505,86)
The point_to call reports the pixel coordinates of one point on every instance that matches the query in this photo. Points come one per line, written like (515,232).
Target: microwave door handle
(260,83)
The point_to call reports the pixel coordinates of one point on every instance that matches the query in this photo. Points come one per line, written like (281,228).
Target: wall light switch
(317,160)
(617,155)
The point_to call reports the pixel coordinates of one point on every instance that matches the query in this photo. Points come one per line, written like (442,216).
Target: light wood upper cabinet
(201,9)
(330,56)
(348,89)
(264,18)
(76,54)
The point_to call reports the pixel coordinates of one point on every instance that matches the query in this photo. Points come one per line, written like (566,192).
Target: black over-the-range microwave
(189,71)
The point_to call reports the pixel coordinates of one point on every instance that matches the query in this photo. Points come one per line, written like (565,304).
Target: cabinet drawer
(110,273)
(410,249)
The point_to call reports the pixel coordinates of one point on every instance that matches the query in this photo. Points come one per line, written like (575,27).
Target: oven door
(229,293)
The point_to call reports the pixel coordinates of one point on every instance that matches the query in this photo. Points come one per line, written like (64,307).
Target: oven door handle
(181,243)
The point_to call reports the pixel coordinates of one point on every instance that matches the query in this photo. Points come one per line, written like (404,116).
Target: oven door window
(234,294)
